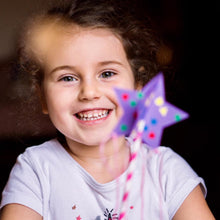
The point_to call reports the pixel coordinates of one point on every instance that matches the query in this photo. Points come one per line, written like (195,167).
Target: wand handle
(137,137)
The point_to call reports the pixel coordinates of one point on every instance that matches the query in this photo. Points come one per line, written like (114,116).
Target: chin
(94,142)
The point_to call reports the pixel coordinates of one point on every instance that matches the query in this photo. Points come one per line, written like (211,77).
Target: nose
(89,90)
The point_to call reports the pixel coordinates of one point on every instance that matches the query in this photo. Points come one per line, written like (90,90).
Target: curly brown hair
(137,36)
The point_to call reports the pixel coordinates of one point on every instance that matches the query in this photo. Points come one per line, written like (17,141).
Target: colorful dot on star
(159,101)
(124,127)
(140,95)
(135,115)
(177,117)
(151,135)
(153,121)
(133,103)
(125,96)
(163,111)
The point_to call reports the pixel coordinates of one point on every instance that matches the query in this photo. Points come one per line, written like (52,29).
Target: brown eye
(107,74)
(68,79)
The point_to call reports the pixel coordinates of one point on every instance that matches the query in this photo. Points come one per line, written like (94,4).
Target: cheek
(56,100)
(127,81)
(131,82)
(112,97)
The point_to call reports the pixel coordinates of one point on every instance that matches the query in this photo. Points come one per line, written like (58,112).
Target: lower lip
(95,121)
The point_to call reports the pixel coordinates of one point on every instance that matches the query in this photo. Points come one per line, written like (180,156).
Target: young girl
(76,55)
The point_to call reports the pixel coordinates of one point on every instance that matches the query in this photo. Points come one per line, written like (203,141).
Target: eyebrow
(65,67)
(102,63)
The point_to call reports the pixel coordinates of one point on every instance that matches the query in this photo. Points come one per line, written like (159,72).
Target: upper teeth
(92,115)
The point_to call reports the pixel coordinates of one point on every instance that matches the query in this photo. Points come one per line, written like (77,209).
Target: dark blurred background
(189,29)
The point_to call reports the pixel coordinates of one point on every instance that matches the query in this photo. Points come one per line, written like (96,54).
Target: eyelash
(104,75)
(68,79)
(107,74)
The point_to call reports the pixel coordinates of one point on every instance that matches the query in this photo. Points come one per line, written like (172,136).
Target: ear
(43,102)
(138,84)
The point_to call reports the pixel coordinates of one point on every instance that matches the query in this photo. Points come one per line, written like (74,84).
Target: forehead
(87,48)
(48,34)
(57,44)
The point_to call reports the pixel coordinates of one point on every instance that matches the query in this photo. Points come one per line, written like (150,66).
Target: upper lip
(94,113)
(91,109)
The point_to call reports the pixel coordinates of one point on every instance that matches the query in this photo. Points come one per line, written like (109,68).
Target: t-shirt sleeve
(23,186)
(178,180)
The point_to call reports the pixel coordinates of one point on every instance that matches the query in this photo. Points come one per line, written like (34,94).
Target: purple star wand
(145,114)
(149,107)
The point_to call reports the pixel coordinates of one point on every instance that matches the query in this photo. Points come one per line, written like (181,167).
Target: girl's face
(81,69)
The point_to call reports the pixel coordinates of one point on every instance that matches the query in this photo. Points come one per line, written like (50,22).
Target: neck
(104,162)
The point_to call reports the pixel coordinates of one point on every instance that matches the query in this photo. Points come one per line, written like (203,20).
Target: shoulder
(44,151)
(164,158)
(175,175)
(42,157)
(45,147)
(165,163)
(28,177)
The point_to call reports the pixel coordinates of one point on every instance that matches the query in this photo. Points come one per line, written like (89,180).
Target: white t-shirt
(47,179)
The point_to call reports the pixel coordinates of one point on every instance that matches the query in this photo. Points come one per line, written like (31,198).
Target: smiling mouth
(92,115)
